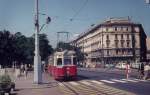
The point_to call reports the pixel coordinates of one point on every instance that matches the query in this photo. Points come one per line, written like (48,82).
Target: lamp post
(37,57)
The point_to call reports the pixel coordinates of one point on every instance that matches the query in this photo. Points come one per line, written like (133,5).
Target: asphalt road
(116,79)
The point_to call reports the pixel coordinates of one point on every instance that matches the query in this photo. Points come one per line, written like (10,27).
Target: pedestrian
(128,70)
(22,68)
(146,70)
(26,71)
(141,70)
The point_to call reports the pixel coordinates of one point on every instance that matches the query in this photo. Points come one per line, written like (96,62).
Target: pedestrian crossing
(95,87)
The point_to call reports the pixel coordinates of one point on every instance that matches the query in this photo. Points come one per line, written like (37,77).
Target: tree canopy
(17,48)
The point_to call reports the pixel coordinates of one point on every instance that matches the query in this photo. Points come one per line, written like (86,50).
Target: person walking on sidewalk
(26,71)
(146,70)
(141,70)
(128,70)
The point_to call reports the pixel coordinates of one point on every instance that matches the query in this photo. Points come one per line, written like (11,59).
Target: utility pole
(37,57)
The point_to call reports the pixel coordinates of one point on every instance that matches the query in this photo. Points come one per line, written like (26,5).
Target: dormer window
(136,29)
(127,29)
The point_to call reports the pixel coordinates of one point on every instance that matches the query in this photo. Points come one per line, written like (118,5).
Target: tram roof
(65,52)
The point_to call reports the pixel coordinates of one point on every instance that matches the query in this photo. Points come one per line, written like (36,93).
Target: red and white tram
(62,65)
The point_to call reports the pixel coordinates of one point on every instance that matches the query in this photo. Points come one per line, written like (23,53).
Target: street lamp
(37,57)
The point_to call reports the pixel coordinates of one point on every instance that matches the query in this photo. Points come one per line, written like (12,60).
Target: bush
(5,78)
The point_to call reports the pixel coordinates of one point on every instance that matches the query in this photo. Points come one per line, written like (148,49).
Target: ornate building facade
(113,41)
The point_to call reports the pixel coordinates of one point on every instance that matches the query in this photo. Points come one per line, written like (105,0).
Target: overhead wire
(76,13)
(81,8)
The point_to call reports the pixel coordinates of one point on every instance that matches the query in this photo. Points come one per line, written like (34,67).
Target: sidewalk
(25,86)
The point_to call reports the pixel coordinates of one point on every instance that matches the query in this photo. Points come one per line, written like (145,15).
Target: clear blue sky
(18,15)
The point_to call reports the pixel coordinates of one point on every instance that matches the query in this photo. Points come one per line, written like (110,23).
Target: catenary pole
(37,57)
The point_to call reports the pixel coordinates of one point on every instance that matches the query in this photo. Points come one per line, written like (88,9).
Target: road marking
(116,80)
(85,82)
(73,83)
(107,81)
(130,80)
(60,84)
(140,80)
(97,82)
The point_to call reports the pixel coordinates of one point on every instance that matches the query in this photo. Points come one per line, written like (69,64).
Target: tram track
(69,88)
(88,87)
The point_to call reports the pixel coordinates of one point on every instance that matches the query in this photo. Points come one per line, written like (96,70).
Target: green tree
(6,48)
(45,48)
(20,49)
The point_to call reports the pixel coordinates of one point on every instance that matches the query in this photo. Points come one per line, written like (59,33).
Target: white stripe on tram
(107,81)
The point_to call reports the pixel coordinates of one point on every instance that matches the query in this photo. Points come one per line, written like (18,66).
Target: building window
(116,36)
(122,43)
(117,52)
(128,43)
(107,43)
(127,29)
(136,29)
(115,28)
(121,36)
(128,52)
(107,37)
(121,28)
(123,51)
(116,43)
(107,52)
(128,36)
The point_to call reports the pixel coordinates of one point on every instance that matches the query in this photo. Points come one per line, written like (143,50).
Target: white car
(135,65)
(121,66)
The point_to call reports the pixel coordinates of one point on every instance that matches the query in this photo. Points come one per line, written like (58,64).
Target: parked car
(135,65)
(121,66)
(6,84)
(109,65)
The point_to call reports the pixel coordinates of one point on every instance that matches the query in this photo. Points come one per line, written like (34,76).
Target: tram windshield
(59,61)
(67,61)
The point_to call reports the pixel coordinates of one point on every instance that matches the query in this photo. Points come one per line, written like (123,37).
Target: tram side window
(74,60)
(67,61)
(59,61)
